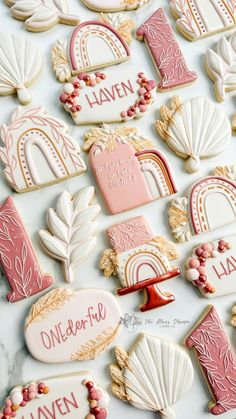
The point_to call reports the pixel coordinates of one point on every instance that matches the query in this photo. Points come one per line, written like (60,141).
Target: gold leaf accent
(54,300)
(116,374)
(59,56)
(166,247)
(119,392)
(109,263)
(160,128)
(228,172)
(177,216)
(125,30)
(122,357)
(140,144)
(95,346)
(166,116)
(234,123)
(233,319)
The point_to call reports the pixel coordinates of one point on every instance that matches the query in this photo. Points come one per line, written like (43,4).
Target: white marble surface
(173,321)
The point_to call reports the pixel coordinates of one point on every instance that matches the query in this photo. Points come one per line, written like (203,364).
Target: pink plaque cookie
(68,325)
(17,257)
(127,168)
(165,51)
(217,360)
(140,260)
(76,395)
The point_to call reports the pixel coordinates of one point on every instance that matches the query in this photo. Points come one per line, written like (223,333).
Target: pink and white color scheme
(17,257)
(165,51)
(75,395)
(115,5)
(38,151)
(72,325)
(217,360)
(128,170)
(210,204)
(197,19)
(140,260)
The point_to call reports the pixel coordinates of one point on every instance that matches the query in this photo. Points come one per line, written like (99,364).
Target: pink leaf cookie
(38,151)
(140,260)
(127,168)
(17,257)
(165,51)
(114,5)
(72,325)
(217,360)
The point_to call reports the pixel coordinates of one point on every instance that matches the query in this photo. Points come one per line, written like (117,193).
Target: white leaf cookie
(153,376)
(72,227)
(114,5)
(20,65)
(40,15)
(195,130)
(221,66)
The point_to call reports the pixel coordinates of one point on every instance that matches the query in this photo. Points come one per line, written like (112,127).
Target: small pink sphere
(13,414)
(32,387)
(63,97)
(98,79)
(7,410)
(152,83)
(82,75)
(202,270)
(192,274)
(124,114)
(222,243)
(143,108)
(202,279)
(93,82)
(23,404)
(199,251)
(194,263)
(130,113)
(198,283)
(205,254)
(8,402)
(31,395)
(228,245)
(142,91)
(207,247)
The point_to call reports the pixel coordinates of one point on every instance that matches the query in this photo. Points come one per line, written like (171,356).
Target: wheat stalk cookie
(114,5)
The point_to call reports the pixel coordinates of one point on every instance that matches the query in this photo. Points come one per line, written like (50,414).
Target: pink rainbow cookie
(17,257)
(216,358)
(165,51)
(127,168)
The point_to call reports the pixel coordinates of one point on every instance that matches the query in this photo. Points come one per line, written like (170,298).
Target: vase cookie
(18,260)
(220,65)
(127,168)
(110,34)
(38,151)
(209,205)
(115,5)
(72,325)
(194,130)
(21,64)
(165,51)
(153,376)
(71,234)
(75,395)
(212,267)
(43,15)
(216,358)
(196,19)
(108,97)
(140,260)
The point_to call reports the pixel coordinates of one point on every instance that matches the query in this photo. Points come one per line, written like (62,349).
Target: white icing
(20,64)
(115,5)
(71,236)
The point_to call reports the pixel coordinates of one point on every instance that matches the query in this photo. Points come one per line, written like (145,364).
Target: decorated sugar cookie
(233,319)
(140,260)
(70,237)
(216,358)
(76,395)
(212,267)
(220,65)
(68,325)
(110,34)
(197,19)
(114,5)
(37,150)
(127,168)
(108,97)
(195,130)
(21,64)
(209,205)
(154,375)
(165,51)
(42,15)
(18,260)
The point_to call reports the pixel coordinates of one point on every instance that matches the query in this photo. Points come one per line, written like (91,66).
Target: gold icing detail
(109,263)
(166,247)
(177,216)
(124,28)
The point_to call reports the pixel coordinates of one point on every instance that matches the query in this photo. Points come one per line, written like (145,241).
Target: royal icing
(140,260)
(153,376)
(21,64)
(17,256)
(68,325)
(108,97)
(211,204)
(212,267)
(44,15)
(221,66)
(75,395)
(195,130)
(115,5)
(217,360)
(165,51)
(127,168)
(37,150)
(197,19)
(93,45)
(70,237)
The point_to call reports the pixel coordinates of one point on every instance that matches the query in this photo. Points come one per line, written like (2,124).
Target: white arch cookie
(38,151)
(21,63)
(114,5)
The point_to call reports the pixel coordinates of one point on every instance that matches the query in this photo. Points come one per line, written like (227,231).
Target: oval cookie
(114,5)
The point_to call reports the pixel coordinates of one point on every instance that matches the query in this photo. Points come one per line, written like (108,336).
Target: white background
(15,363)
